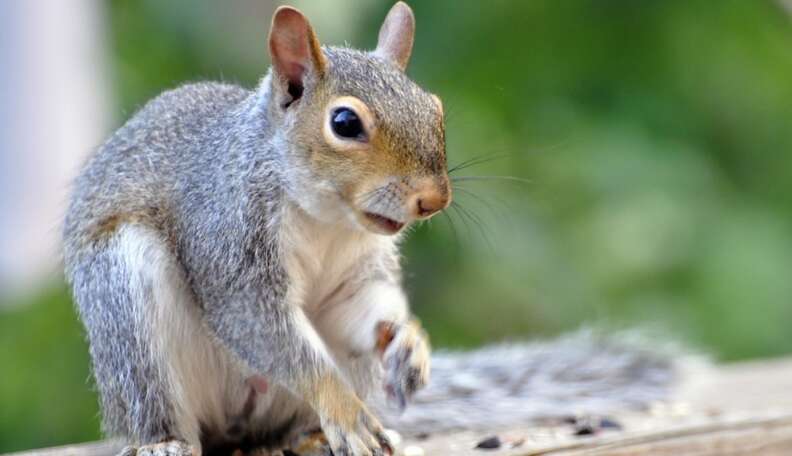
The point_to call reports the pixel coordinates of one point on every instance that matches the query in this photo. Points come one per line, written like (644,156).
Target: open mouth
(386,224)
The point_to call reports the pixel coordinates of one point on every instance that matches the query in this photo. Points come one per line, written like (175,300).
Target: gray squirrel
(233,255)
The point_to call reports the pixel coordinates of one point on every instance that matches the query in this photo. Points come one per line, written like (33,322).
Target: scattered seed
(584,429)
(609,423)
(569,419)
(588,425)
(490,443)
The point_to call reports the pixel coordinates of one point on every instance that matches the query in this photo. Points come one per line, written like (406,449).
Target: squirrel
(233,253)
(233,256)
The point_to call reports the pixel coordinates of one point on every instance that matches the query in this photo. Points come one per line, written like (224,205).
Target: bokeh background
(652,142)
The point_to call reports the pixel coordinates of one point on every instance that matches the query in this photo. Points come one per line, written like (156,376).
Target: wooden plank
(736,409)
(765,437)
(103,448)
(739,437)
(744,408)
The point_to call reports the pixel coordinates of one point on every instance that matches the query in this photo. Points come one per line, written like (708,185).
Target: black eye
(346,123)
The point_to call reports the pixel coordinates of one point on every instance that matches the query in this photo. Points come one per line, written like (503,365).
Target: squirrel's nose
(429,201)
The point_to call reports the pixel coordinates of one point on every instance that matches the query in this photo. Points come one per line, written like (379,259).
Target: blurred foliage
(655,137)
(46,395)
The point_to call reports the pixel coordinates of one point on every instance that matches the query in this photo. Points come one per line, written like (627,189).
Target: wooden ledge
(737,409)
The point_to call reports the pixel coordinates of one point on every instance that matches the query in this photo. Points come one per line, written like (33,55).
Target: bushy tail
(587,372)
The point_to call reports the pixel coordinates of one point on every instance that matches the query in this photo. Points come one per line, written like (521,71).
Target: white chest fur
(325,261)
(344,280)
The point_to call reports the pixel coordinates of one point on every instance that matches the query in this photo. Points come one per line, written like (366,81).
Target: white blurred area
(54,109)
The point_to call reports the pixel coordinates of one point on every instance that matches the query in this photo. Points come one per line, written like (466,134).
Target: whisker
(500,208)
(476,221)
(455,207)
(466,190)
(506,210)
(452,226)
(489,178)
(372,195)
(476,161)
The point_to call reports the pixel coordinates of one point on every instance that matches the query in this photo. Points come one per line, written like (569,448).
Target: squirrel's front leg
(398,340)
(376,320)
(277,340)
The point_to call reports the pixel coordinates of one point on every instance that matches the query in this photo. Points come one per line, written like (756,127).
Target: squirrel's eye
(346,123)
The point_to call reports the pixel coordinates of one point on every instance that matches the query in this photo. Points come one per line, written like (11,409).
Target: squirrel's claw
(396,397)
(313,443)
(169,448)
(368,439)
(406,363)
(365,437)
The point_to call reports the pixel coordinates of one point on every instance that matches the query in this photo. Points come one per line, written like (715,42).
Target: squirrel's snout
(428,204)
(388,208)
(430,199)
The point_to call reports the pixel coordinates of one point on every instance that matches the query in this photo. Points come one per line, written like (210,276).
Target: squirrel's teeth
(384,223)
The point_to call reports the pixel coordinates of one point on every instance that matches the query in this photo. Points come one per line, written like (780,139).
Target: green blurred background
(655,138)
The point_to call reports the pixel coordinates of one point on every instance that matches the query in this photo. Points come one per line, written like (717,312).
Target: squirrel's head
(361,140)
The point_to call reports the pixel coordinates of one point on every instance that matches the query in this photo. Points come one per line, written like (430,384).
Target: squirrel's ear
(294,49)
(396,35)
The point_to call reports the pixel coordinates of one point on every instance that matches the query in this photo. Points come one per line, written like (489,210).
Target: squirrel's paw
(169,448)
(366,439)
(313,443)
(405,360)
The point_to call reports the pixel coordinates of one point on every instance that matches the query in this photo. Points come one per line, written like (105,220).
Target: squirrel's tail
(587,372)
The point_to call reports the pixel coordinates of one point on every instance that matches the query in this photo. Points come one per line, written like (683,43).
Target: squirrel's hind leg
(158,374)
